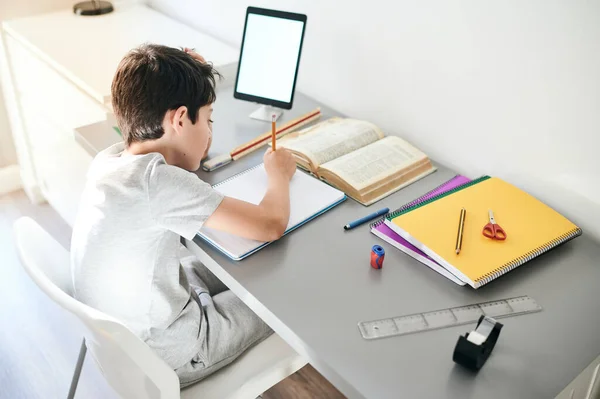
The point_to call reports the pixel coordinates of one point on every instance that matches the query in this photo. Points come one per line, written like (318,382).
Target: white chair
(131,368)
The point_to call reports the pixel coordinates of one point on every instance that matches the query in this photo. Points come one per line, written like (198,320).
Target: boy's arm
(268,220)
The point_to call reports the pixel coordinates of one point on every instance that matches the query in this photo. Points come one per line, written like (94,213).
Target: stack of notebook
(426,229)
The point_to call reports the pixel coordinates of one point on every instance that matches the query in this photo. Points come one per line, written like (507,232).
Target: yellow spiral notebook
(531,226)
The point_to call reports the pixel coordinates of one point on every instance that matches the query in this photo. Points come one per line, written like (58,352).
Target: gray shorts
(231,327)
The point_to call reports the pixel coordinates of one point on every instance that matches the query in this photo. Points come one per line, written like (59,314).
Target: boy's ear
(178,117)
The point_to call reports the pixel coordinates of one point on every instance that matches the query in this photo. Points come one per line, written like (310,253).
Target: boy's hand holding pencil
(280,165)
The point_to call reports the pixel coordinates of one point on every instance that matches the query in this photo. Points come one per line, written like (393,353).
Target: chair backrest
(131,368)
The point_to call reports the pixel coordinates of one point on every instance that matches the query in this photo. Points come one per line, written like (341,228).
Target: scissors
(493,230)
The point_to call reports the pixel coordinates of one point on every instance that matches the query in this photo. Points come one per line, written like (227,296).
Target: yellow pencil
(461,228)
(273,132)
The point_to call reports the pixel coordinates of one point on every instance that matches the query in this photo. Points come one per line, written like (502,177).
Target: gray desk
(315,285)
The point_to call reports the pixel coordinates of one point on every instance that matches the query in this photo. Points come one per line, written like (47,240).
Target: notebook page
(308,196)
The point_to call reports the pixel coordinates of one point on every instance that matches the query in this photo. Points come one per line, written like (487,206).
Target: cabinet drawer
(61,167)
(48,92)
(40,130)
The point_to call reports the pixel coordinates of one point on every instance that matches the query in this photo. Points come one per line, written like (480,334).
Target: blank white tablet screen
(269,57)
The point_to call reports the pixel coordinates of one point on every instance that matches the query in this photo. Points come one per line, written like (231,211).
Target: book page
(331,139)
(374,162)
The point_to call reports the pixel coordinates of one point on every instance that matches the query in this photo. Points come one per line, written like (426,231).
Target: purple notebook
(381,230)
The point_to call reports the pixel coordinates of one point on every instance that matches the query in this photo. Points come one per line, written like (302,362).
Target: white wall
(508,88)
(10,9)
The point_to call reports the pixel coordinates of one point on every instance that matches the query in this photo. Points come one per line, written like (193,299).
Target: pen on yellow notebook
(461,228)
(273,132)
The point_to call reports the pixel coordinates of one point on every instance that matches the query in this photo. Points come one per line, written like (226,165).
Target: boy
(140,198)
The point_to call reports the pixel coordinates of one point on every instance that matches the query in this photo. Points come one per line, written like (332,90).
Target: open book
(355,157)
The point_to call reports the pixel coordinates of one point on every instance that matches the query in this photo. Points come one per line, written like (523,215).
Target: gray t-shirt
(125,247)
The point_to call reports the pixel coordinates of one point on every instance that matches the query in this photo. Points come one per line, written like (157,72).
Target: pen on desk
(461,228)
(273,132)
(365,219)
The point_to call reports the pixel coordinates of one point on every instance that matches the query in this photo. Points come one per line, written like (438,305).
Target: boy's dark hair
(153,79)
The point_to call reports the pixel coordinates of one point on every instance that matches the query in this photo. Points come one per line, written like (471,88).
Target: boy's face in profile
(194,138)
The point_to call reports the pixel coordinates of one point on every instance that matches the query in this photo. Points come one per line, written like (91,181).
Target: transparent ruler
(419,322)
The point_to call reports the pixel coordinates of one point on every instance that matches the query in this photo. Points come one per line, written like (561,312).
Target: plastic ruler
(450,317)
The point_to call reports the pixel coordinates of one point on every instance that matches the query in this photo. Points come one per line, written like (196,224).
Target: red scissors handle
(492,230)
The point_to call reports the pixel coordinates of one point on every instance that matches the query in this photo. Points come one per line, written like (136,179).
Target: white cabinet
(586,385)
(56,72)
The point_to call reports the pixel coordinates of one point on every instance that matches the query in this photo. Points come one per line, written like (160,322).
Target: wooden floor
(39,342)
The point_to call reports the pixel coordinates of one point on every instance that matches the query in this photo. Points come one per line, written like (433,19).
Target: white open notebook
(309,197)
